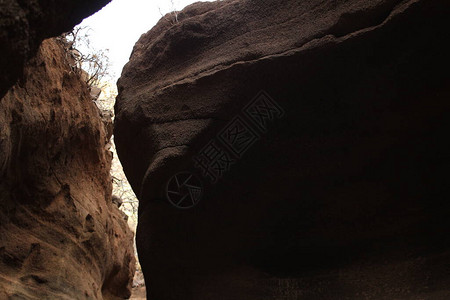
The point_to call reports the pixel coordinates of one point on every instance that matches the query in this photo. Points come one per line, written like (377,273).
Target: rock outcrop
(25,24)
(345,196)
(61,237)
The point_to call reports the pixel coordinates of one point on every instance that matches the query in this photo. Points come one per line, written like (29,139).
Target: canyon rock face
(342,192)
(25,23)
(61,237)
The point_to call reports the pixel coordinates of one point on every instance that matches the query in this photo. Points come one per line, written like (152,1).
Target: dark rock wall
(24,24)
(61,237)
(345,197)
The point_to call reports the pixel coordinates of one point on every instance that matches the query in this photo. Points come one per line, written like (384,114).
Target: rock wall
(343,197)
(25,23)
(61,237)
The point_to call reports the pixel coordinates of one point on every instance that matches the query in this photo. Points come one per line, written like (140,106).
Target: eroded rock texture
(25,23)
(61,237)
(345,197)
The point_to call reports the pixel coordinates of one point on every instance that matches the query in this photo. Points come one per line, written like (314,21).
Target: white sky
(119,25)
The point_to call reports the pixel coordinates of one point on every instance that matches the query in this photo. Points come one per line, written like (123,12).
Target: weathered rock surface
(61,237)
(345,197)
(25,23)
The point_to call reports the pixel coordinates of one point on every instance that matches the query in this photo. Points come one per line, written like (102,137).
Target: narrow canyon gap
(344,195)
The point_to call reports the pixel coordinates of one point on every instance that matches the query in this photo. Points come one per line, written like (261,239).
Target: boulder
(338,188)
(61,236)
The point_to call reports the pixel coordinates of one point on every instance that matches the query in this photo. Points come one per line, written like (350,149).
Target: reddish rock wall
(61,237)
